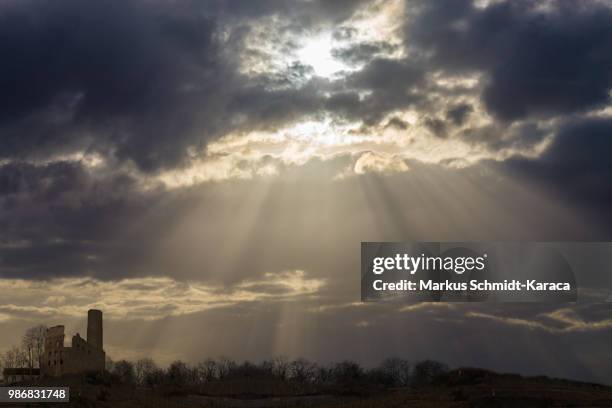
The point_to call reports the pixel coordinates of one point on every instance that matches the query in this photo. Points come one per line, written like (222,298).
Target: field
(476,388)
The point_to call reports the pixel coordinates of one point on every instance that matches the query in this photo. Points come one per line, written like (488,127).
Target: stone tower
(94,328)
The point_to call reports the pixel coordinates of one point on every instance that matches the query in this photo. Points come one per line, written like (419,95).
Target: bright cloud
(147,298)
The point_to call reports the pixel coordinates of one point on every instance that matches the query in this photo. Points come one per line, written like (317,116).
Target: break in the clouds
(188,163)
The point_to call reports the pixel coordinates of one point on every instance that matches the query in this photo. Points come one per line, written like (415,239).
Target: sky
(204,172)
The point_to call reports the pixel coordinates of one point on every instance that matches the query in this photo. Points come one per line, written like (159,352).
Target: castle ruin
(85,355)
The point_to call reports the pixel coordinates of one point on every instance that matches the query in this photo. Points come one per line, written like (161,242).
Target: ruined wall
(52,360)
(84,355)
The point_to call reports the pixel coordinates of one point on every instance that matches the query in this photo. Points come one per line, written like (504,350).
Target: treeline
(392,372)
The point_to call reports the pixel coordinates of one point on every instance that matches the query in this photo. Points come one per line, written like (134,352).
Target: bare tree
(324,375)
(347,371)
(280,367)
(302,370)
(224,367)
(33,343)
(9,358)
(207,370)
(20,357)
(399,370)
(155,377)
(27,342)
(144,369)
(428,371)
(40,335)
(193,375)
(178,373)
(125,371)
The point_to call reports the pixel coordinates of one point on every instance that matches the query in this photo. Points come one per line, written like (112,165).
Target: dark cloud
(61,218)
(389,76)
(391,84)
(436,126)
(538,63)
(397,123)
(497,137)
(459,113)
(346,104)
(576,166)
(267,109)
(136,78)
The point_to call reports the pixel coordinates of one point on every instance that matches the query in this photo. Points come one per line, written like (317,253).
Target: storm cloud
(539,60)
